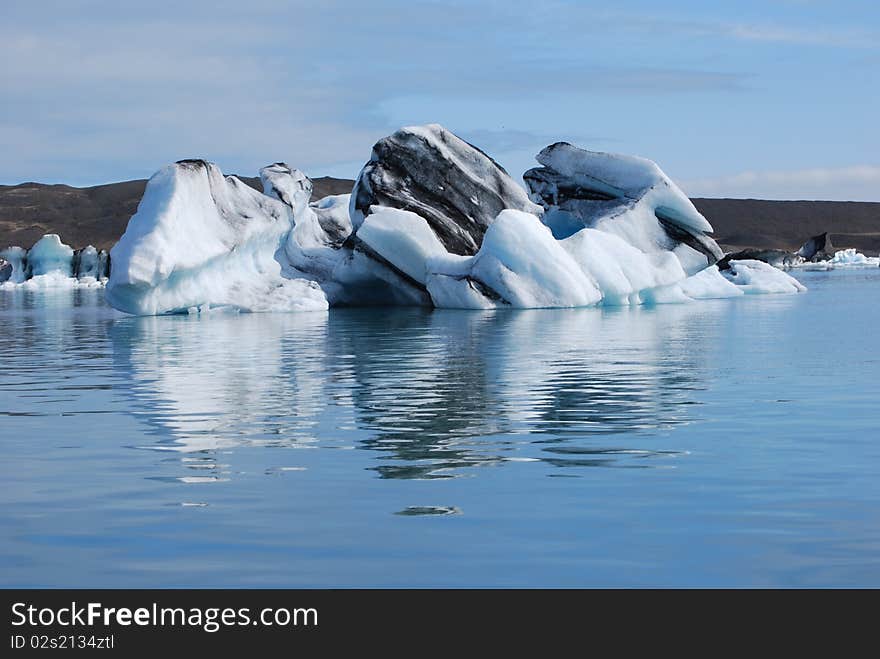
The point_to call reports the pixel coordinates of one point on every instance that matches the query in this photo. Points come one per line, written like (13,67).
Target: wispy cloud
(837,38)
(135,89)
(97,90)
(854,183)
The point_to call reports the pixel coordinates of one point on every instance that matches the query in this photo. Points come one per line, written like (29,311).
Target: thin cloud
(808,37)
(104,90)
(854,183)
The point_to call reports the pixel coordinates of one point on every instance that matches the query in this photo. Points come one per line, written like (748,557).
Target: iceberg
(624,273)
(51,264)
(624,195)
(817,253)
(49,254)
(850,257)
(91,263)
(201,240)
(57,280)
(16,265)
(431,221)
(758,277)
(817,248)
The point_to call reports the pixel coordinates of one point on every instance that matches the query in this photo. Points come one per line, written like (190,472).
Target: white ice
(710,284)
(754,277)
(49,254)
(202,240)
(402,238)
(521,264)
(850,257)
(625,176)
(49,265)
(56,280)
(90,263)
(16,257)
(641,194)
(332,212)
(623,273)
(524,265)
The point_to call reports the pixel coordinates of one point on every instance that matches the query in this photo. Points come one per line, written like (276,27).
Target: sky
(757,98)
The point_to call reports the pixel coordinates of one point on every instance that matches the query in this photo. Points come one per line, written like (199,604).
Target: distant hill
(98,216)
(786,225)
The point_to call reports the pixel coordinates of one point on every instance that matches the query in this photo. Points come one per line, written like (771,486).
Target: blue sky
(754,98)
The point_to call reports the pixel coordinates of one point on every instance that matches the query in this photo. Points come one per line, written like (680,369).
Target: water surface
(730,442)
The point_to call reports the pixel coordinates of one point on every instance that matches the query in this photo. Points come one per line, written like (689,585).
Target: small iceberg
(852,258)
(50,264)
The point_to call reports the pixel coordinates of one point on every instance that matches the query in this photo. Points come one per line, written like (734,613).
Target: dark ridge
(786,225)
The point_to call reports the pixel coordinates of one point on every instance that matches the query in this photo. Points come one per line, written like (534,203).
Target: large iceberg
(432,221)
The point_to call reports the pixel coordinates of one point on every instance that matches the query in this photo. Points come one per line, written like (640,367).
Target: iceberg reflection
(431,393)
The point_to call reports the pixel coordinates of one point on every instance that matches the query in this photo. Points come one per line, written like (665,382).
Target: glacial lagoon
(721,443)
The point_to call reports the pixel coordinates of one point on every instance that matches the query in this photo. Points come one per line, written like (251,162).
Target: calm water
(717,443)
